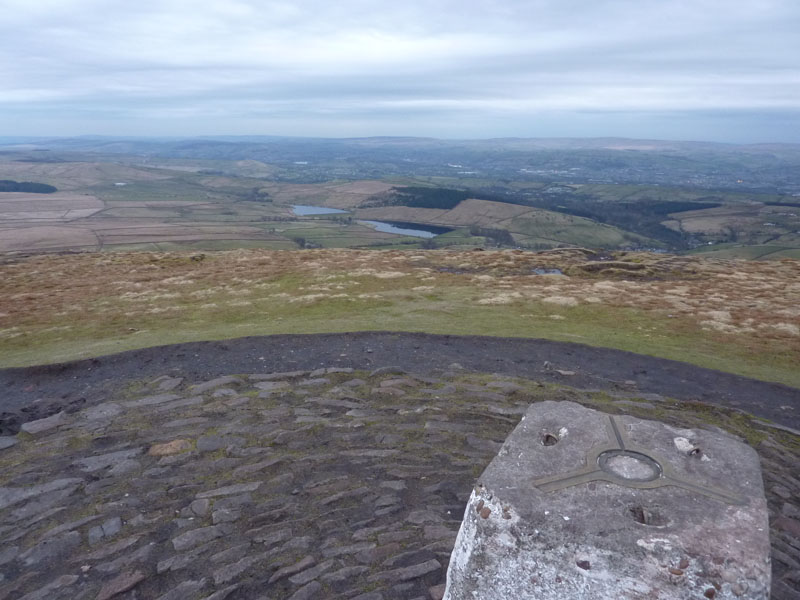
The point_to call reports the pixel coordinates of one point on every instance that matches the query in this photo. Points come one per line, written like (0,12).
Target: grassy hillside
(734,316)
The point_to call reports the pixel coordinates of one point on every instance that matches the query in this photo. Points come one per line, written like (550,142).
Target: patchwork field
(736,316)
(114,207)
(199,204)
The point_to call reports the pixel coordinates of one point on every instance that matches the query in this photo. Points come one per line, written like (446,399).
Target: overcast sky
(724,70)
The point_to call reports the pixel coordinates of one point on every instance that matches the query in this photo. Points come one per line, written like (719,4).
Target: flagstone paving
(330,483)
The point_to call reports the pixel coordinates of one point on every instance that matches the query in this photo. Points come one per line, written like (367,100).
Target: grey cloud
(335,68)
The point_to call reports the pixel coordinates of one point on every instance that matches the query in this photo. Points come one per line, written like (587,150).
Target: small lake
(398,227)
(303,210)
(403,228)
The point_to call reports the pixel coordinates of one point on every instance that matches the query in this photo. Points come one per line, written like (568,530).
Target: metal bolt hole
(548,439)
(645,516)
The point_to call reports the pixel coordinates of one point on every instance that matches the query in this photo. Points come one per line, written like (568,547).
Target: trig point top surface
(582,504)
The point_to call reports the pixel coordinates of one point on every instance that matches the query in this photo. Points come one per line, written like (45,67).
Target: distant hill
(768,168)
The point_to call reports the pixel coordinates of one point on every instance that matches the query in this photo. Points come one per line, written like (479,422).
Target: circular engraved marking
(629,466)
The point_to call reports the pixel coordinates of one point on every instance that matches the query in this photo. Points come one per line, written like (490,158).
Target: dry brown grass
(749,305)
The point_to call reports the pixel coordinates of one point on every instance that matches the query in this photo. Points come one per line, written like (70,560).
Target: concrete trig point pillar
(581,504)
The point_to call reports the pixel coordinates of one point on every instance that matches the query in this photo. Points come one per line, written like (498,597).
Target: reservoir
(398,227)
(412,229)
(303,210)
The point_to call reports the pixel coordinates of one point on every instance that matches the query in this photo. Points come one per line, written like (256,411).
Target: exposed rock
(272,386)
(406,573)
(7,441)
(270,538)
(301,565)
(380,371)
(109,528)
(278,376)
(90,464)
(231,554)
(54,587)
(310,574)
(119,584)
(314,382)
(184,590)
(168,384)
(112,549)
(228,490)
(177,404)
(201,388)
(200,507)
(10,496)
(345,574)
(228,572)
(50,548)
(150,400)
(8,554)
(223,593)
(46,424)
(308,592)
(195,537)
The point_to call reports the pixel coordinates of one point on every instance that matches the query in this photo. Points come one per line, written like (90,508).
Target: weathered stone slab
(167,384)
(107,410)
(186,589)
(236,488)
(270,386)
(12,495)
(307,592)
(120,584)
(277,376)
(412,572)
(316,381)
(46,424)
(214,383)
(210,443)
(7,441)
(231,571)
(301,565)
(223,593)
(51,548)
(195,537)
(8,553)
(580,504)
(178,403)
(109,528)
(150,400)
(53,588)
(90,464)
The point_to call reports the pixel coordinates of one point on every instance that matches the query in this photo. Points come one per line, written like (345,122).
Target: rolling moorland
(660,280)
(219,194)
(736,316)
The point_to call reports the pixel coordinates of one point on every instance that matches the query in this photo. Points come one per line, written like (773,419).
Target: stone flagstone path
(310,484)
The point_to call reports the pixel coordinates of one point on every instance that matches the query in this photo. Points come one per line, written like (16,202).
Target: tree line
(8,185)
